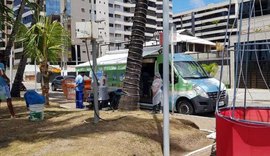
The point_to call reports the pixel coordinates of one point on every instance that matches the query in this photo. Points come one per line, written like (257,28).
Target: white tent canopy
(192,39)
(118,57)
(186,36)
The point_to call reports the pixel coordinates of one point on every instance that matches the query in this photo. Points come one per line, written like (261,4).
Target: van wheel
(185,107)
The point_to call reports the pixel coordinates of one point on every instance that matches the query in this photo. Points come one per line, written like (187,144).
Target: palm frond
(54,36)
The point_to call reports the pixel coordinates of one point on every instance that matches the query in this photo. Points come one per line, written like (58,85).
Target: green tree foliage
(6,15)
(211,69)
(44,42)
(36,6)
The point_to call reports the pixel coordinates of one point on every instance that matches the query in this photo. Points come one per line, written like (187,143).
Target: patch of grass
(72,132)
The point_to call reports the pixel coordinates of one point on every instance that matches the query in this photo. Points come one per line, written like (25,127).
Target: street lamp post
(76,57)
(166,121)
(11,67)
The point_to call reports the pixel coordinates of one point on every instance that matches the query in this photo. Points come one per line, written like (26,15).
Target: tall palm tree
(11,37)
(131,84)
(43,42)
(36,6)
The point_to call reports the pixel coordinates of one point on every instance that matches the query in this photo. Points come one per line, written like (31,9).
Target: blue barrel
(79,99)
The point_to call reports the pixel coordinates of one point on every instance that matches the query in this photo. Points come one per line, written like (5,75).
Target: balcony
(208,55)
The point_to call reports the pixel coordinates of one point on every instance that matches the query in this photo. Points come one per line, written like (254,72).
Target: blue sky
(184,5)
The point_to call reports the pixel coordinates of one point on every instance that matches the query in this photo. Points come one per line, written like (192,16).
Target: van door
(160,69)
(147,76)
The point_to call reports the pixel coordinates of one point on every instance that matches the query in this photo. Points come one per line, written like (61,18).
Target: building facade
(209,22)
(121,14)
(253,54)
(114,19)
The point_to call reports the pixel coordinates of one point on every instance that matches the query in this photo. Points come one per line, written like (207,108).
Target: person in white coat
(157,93)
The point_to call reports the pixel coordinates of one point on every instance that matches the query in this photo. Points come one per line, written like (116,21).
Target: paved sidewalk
(254,97)
(203,122)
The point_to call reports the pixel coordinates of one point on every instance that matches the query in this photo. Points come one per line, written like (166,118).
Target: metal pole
(76,57)
(166,122)
(94,58)
(237,53)
(11,68)
(172,68)
(63,5)
(35,74)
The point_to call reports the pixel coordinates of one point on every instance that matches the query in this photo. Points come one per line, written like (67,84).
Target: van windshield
(190,70)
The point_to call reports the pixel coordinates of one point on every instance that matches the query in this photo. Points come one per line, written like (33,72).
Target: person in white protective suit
(157,93)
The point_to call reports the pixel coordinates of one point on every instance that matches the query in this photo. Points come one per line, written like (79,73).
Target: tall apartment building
(209,22)
(81,12)
(121,13)
(115,24)
(114,17)
(27,20)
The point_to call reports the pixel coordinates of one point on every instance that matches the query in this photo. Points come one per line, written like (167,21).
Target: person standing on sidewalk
(79,81)
(157,93)
(5,91)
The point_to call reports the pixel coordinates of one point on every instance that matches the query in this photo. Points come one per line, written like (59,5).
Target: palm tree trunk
(15,91)
(5,56)
(45,81)
(131,84)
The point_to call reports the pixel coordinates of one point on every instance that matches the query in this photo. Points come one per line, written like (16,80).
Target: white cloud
(197,3)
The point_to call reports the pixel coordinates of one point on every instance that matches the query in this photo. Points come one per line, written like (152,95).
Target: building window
(117,6)
(110,5)
(110,15)
(111,35)
(82,9)
(117,35)
(83,20)
(117,16)
(111,25)
(117,26)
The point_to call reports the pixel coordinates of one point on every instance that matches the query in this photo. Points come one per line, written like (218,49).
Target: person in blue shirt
(79,81)
(4,85)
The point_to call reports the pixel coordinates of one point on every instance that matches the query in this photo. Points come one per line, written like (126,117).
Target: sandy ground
(72,132)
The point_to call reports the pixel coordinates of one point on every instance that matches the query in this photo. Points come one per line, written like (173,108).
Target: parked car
(57,81)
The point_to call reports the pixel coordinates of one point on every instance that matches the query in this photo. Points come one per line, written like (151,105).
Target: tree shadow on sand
(56,127)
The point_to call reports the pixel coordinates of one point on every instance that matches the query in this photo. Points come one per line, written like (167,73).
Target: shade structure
(247,133)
